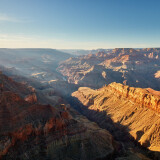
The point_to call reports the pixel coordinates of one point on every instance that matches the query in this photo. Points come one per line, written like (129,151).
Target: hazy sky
(79,24)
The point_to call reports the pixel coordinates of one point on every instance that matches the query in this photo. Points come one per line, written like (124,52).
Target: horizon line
(77,48)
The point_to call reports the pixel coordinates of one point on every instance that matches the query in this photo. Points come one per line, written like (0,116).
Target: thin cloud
(18,37)
(6,18)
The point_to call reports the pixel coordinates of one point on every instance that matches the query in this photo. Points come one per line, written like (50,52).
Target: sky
(79,24)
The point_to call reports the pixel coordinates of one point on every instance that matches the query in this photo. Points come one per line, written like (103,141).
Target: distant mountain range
(135,67)
(79,52)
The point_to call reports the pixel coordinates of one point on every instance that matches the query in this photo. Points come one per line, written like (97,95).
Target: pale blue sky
(79,24)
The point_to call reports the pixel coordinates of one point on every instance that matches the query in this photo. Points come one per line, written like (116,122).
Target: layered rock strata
(135,110)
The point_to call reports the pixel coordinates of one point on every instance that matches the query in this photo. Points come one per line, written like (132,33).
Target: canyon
(101,105)
(30,130)
(134,67)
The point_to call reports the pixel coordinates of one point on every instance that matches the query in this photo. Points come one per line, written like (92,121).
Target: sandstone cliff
(135,110)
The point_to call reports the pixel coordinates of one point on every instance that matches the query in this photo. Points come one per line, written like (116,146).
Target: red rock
(31,98)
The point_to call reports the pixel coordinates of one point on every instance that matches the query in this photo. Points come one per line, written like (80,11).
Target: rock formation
(134,110)
(30,130)
(134,67)
(31,98)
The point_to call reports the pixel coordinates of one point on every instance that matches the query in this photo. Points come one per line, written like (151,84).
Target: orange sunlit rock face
(141,96)
(135,108)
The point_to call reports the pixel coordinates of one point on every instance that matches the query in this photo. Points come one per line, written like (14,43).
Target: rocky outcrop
(137,95)
(8,84)
(134,110)
(157,74)
(31,98)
